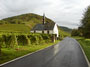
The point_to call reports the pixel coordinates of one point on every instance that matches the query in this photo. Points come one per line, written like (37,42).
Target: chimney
(43,18)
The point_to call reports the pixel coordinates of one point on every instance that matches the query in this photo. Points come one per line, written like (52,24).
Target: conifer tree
(86,23)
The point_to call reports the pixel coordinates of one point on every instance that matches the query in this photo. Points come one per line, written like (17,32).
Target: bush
(12,40)
(22,40)
(75,32)
(1,40)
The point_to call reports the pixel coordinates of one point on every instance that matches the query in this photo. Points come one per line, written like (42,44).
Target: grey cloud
(20,5)
(58,10)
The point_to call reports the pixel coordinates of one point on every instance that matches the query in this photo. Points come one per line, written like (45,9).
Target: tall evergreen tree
(86,23)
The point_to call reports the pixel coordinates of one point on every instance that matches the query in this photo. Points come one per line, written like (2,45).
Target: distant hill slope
(66,29)
(23,23)
(27,19)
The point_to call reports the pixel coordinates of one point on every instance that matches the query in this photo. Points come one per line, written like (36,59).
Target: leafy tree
(86,23)
(0,49)
(75,32)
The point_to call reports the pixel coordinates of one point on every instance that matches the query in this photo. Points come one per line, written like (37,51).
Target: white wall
(55,30)
(38,31)
(50,31)
(32,31)
(45,31)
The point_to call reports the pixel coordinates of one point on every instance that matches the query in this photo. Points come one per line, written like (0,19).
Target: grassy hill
(25,19)
(66,29)
(21,23)
(24,23)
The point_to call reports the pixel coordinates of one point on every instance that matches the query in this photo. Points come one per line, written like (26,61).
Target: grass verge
(85,43)
(10,54)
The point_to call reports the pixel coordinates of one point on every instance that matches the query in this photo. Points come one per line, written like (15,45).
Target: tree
(0,48)
(75,32)
(86,23)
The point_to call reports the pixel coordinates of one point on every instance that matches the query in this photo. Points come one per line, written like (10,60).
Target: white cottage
(46,28)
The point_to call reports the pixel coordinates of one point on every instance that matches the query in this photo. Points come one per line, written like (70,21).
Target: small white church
(46,28)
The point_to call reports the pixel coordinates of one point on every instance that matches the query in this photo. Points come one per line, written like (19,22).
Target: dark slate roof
(46,26)
(38,27)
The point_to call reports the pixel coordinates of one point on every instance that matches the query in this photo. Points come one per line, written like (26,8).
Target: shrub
(13,41)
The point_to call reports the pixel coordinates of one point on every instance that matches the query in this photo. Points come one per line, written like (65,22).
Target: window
(48,31)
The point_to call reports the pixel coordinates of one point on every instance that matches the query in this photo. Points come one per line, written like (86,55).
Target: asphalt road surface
(66,53)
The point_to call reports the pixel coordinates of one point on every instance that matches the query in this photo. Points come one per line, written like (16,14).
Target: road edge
(84,54)
(26,55)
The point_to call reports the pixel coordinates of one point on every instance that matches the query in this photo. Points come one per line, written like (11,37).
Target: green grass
(14,28)
(85,43)
(77,37)
(9,54)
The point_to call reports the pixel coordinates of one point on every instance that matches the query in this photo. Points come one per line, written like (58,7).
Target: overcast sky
(64,12)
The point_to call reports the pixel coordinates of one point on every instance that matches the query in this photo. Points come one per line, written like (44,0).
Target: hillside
(24,23)
(66,29)
(27,19)
(21,23)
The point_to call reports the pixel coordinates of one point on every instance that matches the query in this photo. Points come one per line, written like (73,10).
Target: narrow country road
(67,53)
